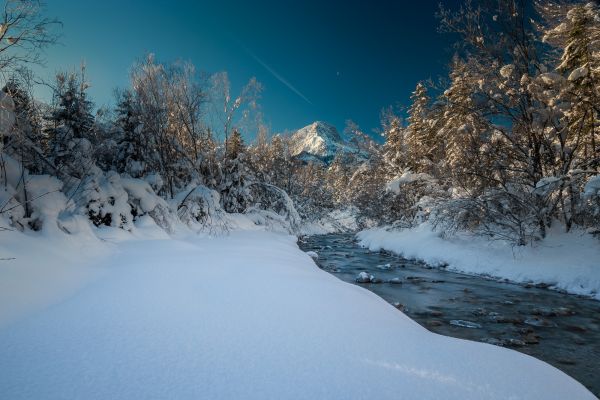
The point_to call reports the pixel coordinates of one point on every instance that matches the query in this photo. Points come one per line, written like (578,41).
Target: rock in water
(539,321)
(363,277)
(465,324)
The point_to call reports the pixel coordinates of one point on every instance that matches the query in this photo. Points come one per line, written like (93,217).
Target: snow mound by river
(242,316)
(569,262)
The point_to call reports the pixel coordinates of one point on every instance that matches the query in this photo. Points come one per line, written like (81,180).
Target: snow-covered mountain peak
(319,139)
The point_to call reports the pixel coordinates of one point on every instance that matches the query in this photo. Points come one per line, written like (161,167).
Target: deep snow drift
(244,316)
(569,262)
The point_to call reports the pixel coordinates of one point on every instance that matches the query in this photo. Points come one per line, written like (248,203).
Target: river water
(560,329)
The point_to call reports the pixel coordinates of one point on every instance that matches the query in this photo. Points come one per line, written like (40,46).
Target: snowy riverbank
(569,262)
(241,316)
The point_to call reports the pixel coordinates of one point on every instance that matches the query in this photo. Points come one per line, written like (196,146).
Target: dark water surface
(561,329)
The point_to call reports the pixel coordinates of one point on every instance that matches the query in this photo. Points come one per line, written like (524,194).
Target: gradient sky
(317,60)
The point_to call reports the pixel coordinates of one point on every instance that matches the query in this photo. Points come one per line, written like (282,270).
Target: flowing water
(561,329)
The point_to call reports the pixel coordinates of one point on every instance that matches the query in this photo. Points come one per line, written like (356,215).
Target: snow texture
(245,316)
(569,262)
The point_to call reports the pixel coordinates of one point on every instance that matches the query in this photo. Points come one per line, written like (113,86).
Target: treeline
(509,144)
(506,146)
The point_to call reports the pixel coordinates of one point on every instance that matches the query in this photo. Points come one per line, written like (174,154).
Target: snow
(578,73)
(320,140)
(592,187)
(566,261)
(313,255)
(38,269)
(341,220)
(241,316)
(407,177)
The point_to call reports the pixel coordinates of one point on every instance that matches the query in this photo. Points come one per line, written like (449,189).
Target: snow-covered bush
(200,208)
(111,200)
(410,197)
(103,199)
(28,201)
(273,199)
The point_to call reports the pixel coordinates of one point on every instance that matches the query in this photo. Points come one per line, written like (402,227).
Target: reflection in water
(563,330)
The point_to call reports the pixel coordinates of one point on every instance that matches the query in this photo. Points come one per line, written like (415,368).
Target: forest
(505,146)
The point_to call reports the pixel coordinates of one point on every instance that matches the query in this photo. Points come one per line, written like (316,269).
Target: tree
(394,149)
(236,179)
(131,145)
(575,30)
(26,142)
(24,32)
(422,147)
(70,124)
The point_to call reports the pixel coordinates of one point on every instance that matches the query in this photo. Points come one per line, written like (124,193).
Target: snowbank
(570,262)
(244,316)
(335,221)
(42,268)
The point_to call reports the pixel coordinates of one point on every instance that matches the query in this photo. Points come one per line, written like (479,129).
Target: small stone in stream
(396,281)
(494,341)
(414,279)
(578,340)
(531,338)
(566,361)
(400,306)
(433,322)
(363,277)
(515,342)
(563,311)
(526,330)
(437,281)
(435,313)
(384,266)
(508,302)
(465,324)
(575,328)
(376,280)
(545,312)
(541,322)
(528,286)
(480,312)
(501,319)
(542,285)
(467,290)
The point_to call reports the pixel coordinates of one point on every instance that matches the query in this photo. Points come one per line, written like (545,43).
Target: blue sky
(317,60)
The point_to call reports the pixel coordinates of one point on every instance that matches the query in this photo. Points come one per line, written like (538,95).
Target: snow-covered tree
(394,149)
(235,182)
(575,30)
(69,125)
(422,145)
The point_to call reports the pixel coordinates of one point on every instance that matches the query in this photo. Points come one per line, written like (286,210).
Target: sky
(317,60)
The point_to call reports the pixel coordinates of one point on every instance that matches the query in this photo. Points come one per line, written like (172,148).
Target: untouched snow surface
(570,262)
(247,316)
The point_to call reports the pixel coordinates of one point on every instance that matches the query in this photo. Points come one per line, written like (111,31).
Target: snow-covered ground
(241,316)
(570,262)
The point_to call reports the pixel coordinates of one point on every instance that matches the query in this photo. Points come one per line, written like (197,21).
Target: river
(560,329)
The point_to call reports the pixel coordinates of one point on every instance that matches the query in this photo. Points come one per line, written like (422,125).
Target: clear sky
(318,60)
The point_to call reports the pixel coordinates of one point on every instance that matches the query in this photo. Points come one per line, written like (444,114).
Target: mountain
(319,141)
